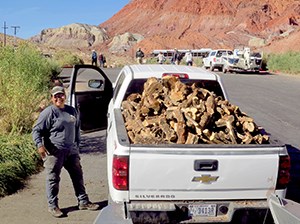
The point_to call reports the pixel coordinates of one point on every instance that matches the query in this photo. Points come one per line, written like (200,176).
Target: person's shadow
(67,210)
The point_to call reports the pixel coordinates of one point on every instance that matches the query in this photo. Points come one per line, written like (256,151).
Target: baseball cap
(57,89)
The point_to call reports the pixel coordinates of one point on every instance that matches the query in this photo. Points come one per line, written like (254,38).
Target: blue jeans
(53,165)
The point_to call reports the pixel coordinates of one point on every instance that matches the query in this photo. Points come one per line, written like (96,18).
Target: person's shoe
(56,212)
(89,206)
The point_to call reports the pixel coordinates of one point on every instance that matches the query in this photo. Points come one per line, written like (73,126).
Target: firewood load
(169,111)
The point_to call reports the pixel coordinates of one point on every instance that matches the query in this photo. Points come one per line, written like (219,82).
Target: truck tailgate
(211,172)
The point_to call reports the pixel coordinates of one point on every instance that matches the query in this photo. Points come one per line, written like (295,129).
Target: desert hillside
(270,25)
(209,23)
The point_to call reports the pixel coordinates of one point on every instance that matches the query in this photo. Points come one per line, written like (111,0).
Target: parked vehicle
(215,59)
(196,53)
(243,61)
(163,183)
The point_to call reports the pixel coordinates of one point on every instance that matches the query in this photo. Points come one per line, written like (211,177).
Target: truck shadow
(293,189)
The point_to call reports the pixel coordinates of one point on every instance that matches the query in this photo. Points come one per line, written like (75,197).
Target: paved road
(271,99)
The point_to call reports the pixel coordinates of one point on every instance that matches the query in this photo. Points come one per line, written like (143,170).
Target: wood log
(180,129)
(170,134)
(192,139)
(227,121)
(179,93)
(210,105)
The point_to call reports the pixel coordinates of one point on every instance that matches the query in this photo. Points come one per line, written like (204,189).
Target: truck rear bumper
(112,214)
(225,210)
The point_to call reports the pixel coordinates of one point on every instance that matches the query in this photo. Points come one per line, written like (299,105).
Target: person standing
(94,58)
(56,134)
(189,58)
(176,58)
(101,60)
(139,56)
(161,58)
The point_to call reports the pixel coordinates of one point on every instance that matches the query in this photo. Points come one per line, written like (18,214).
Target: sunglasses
(59,95)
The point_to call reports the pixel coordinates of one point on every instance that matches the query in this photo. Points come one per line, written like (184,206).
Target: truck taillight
(215,60)
(120,172)
(283,172)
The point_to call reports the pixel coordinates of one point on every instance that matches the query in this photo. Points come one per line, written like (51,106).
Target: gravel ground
(29,205)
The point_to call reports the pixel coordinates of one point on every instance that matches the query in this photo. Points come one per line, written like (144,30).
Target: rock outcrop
(72,36)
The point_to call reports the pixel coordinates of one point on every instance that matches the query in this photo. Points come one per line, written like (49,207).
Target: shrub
(18,160)
(24,82)
(64,58)
(24,78)
(288,62)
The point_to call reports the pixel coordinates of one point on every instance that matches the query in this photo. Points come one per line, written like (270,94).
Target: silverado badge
(206,179)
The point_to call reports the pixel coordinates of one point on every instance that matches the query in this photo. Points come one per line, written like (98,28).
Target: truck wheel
(224,69)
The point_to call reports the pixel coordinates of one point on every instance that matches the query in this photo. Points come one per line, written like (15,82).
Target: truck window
(118,85)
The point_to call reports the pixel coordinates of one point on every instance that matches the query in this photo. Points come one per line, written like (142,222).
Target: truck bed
(202,171)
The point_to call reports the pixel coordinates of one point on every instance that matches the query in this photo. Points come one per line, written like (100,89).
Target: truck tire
(224,69)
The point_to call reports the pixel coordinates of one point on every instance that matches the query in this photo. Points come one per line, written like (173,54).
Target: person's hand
(42,151)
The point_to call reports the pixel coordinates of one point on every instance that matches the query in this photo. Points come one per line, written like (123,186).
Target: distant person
(94,58)
(139,56)
(176,58)
(161,58)
(57,136)
(102,60)
(189,58)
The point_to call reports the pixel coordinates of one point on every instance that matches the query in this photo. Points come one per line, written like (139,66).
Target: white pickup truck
(179,183)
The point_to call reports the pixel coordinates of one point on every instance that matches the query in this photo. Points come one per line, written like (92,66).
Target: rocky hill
(271,25)
(208,23)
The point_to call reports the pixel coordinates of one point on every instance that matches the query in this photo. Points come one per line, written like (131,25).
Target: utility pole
(4,28)
(15,33)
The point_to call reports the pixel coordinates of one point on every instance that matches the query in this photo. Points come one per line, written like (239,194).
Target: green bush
(65,58)
(287,63)
(18,160)
(24,83)
(24,78)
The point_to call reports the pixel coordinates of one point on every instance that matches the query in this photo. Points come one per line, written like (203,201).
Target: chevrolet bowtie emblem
(206,179)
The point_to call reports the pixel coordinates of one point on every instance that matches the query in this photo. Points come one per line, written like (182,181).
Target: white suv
(215,59)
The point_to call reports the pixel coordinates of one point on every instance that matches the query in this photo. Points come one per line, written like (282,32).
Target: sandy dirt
(29,205)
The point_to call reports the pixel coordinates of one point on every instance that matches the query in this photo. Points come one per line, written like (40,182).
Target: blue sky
(32,16)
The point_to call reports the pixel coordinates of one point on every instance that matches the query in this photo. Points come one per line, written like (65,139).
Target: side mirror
(95,83)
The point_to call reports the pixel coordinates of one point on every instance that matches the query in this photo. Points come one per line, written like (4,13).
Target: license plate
(203,210)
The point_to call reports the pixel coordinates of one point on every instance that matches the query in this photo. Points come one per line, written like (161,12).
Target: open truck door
(90,91)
